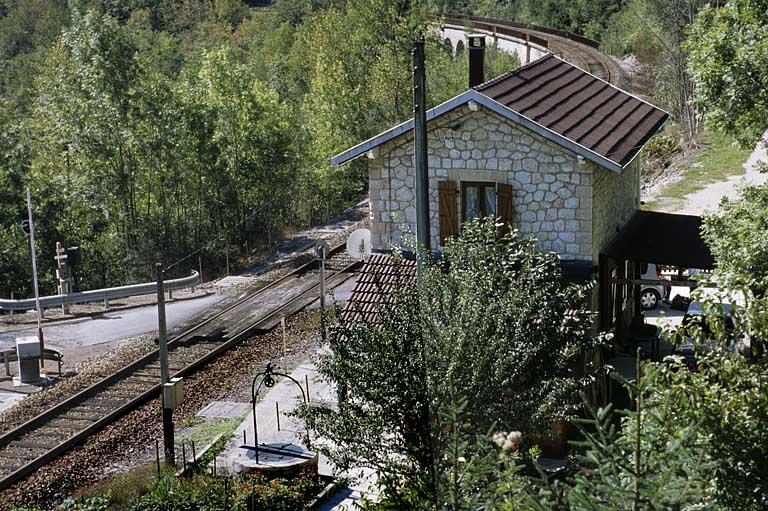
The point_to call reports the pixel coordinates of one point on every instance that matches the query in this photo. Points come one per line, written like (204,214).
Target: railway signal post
(168,433)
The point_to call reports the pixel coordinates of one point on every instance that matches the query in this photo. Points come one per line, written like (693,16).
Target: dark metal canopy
(662,238)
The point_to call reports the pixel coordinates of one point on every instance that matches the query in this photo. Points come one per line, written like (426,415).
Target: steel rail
(98,295)
(264,323)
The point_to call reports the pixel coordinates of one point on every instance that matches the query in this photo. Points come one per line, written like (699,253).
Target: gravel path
(707,199)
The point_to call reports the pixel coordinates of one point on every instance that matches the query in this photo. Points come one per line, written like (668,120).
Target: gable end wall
(553,198)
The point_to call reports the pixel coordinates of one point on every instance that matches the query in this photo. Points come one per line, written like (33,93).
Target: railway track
(578,50)
(47,436)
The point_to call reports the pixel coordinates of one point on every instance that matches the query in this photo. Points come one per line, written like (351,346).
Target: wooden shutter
(448,218)
(504,207)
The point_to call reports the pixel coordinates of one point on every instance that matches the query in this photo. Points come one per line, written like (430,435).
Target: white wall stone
(569,205)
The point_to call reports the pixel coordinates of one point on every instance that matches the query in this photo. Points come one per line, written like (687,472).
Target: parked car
(651,295)
(697,335)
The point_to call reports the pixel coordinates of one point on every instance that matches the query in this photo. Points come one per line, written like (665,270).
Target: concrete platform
(8,399)
(224,410)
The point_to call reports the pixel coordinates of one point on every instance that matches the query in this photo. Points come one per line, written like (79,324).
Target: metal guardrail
(526,26)
(99,295)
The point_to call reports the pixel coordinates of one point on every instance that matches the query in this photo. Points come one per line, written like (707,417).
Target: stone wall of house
(553,188)
(616,198)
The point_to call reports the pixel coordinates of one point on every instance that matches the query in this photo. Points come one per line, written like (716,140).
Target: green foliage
(503,328)
(148,129)
(728,45)
(738,237)
(173,494)
(91,504)
(277,494)
(491,337)
(726,404)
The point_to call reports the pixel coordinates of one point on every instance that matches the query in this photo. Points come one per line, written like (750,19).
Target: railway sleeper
(125,397)
(76,416)
(140,379)
(147,374)
(9,469)
(10,454)
(66,423)
(154,367)
(107,404)
(24,444)
(47,433)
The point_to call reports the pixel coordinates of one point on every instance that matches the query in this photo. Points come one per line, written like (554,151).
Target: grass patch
(718,159)
(204,433)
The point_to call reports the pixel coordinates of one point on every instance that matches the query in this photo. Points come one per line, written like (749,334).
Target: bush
(261,494)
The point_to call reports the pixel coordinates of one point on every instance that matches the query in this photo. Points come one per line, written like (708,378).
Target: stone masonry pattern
(570,205)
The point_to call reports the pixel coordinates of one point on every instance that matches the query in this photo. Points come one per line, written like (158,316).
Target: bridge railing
(100,295)
(490,23)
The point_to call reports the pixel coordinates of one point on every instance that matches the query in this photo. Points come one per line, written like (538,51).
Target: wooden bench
(48,354)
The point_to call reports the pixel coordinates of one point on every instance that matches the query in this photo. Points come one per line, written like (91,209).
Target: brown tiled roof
(578,106)
(381,276)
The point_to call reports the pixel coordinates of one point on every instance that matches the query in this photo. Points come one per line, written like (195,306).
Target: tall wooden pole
(34,277)
(420,146)
(168,433)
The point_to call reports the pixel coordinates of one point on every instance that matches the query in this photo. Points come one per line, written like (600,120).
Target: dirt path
(708,198)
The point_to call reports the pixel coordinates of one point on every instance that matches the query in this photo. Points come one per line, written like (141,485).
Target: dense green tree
(729,58)
(491,332)
(738,237)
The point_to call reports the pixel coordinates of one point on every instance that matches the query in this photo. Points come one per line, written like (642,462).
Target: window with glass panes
(478,200)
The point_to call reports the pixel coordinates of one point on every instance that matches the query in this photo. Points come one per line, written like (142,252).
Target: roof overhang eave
(386,136)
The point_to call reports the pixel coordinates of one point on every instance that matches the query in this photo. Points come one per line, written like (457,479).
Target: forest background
(147,129)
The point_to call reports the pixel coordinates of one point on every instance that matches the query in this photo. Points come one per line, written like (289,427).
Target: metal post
(306,384)
(285,342)
(34,277)
(200,265)
(422,211)
(226,254)
(322,293)
(255,427)
(277,414)
(420,150)
(157,456)
(168,440)
(527,48)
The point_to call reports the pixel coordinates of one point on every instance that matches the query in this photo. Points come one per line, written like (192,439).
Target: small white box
(28,351)
(28,347)
(173,393)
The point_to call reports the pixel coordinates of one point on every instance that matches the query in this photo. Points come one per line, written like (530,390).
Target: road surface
(708,198)
(112,326)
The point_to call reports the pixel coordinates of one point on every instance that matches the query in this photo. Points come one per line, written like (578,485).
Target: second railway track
(52,433)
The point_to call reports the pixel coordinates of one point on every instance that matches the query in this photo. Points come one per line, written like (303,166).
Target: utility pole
(34,277)
(320,249)
(422,220)
(420,149)
(168,440)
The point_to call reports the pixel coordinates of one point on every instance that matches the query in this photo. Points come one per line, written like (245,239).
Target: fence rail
(99,295)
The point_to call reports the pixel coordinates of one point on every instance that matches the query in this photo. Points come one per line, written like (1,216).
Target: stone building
(549,148)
